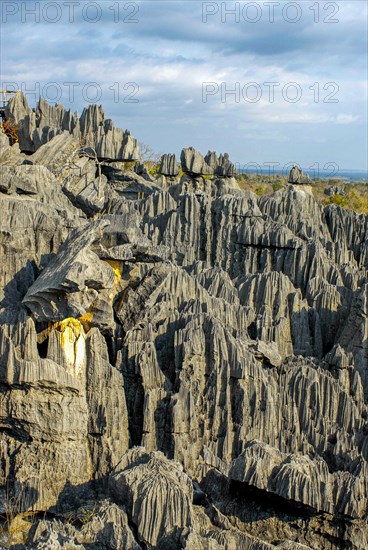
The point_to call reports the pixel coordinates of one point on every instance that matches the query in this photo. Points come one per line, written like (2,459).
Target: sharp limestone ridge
(182,362)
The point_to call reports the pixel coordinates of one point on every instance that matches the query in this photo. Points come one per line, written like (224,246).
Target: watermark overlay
(74,92)
(253,12)
(69,12)
(272,169)
(253,92)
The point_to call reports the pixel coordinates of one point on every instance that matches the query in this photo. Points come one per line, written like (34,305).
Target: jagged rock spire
(40,125)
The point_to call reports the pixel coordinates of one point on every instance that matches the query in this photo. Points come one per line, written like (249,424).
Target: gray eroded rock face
(10,155)
(334,190)
(79,176)
(64,415)
(142,170)
(302,480)
(169,166)
(103,526)
(225,168)
(108,142)
(297,176)
(92,129)
(187,358)
(69,285)
(193,163)
(144,482)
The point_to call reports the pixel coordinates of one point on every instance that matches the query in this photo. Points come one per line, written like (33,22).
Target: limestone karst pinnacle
(183,364)
(297,176)
(40,125)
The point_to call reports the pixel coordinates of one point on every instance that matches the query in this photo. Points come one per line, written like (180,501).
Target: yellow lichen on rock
(116,266)
(71,322)
(86,319)
(74,325)
(72,341)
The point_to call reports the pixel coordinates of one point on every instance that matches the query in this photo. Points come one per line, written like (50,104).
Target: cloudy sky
(268,82)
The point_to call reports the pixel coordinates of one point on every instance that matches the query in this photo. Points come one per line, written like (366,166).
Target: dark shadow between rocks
(16,498)
(17,288)
(73,497)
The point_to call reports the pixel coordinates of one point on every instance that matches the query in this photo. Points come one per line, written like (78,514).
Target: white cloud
(346,119)
(170,53)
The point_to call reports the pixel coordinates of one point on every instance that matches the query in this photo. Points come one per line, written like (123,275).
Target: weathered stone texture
(188,357)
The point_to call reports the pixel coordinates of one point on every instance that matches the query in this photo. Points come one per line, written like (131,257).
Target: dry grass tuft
(11,130)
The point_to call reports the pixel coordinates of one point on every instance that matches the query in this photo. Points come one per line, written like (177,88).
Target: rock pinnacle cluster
(183,364)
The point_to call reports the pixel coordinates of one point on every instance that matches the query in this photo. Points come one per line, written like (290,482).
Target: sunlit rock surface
(188,363)
(38,126)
